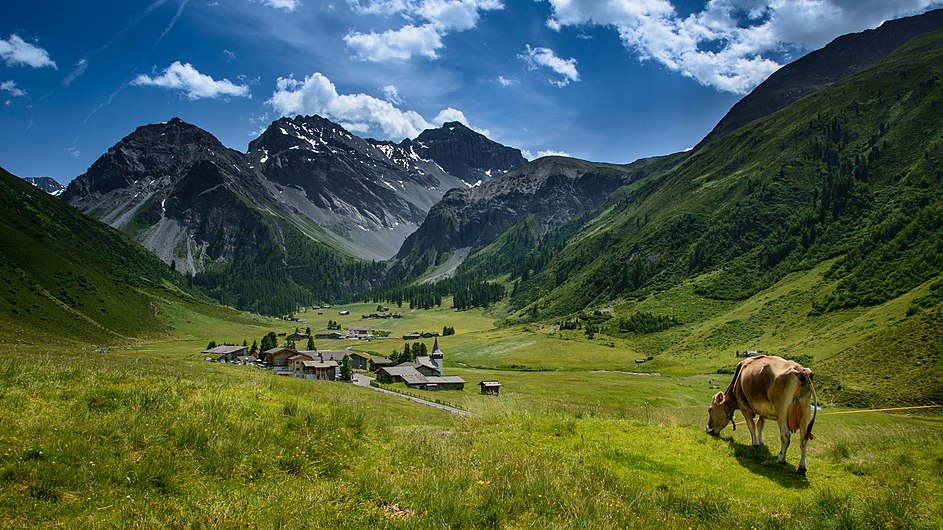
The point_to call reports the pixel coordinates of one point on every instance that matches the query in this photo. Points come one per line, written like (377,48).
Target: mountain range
(807,218)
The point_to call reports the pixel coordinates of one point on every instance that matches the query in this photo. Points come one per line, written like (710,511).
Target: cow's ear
(718,398)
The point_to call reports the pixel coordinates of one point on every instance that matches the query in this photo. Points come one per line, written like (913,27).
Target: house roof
(358,354)
(415,379)
(489,383)
(319,364)
(439,380)
(427,362)
(381,360)
(400,371)
(304,355)
(333,355)
(223,350)
(357,328)
(276,351)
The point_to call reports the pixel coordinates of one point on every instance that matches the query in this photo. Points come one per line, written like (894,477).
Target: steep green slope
(851,171)
(68,279)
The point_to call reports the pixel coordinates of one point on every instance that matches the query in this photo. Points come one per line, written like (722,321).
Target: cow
(772,388)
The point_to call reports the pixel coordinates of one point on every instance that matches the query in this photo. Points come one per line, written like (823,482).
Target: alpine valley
(608,302)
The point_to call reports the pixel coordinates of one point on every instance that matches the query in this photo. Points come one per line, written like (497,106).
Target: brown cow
(771,388)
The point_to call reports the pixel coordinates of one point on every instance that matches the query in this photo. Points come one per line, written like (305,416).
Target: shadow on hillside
(762,461)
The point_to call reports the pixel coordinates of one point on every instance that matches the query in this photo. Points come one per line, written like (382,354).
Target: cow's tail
(815,407)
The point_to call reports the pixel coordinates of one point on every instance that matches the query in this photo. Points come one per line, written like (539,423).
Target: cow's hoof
(801,470)
(781,462)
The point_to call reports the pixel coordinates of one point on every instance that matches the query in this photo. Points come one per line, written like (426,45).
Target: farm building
(358,332)
(379,362)
(332,335)
(415,379)
(227,353)
(490,387)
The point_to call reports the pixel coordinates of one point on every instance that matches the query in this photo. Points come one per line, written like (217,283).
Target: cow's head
(718,415)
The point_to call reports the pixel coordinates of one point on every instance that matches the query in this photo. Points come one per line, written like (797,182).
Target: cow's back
(773,387)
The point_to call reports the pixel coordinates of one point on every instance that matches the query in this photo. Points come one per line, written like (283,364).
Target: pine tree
(346,372)
(311,343)
(211,345)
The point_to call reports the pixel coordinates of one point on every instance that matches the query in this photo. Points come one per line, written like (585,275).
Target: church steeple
(435,356)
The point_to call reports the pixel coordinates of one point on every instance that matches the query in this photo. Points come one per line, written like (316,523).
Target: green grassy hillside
(68,279)
(851,171)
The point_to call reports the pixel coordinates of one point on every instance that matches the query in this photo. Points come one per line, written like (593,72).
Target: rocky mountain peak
(464,153)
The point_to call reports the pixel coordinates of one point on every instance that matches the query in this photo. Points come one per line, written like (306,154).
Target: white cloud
(391,94)
(287,5)
(438,18)
(727,45)
(230,55)
(552,152)
(10,86)
(15,51)
(505,82)
(185,77)
(357,112)
(76,72)
(566,68)
(396,45)
(450,114)
(73,151)
(527,154)
(360,113)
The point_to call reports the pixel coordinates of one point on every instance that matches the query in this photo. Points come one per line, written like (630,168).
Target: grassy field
(103,440)
(152,436)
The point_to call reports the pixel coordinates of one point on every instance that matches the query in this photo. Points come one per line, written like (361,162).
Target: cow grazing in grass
(771,388)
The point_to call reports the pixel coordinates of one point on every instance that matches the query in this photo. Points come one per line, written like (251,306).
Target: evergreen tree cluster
(448,330)
(466,292)
(642,323)
(410,352)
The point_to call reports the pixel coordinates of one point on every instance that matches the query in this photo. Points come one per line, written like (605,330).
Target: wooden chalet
(278,357)
(323,370)
(358,332)
(229,354)
(379,362)
(331,335)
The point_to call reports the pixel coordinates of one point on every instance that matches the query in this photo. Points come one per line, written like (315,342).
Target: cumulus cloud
(286,5)
(396,45)
(728,44)
(545,57)
(552,152)
(357,112)
(186,78)
(429,22)
(316,94)
(10,86)
(15,52)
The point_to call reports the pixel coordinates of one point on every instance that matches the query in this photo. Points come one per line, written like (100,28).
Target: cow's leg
(783,440)
(803,441)
(748,419)
(760,422)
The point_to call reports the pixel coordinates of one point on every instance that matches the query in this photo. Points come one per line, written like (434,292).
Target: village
(415,368)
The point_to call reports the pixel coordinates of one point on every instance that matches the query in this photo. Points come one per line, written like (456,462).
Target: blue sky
(604,80)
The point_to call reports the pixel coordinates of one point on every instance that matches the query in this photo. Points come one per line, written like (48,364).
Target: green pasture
(139,441)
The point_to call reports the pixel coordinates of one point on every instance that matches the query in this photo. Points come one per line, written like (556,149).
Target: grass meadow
(148,435)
